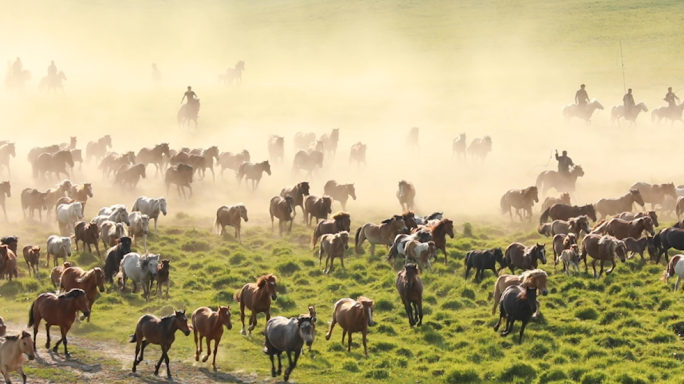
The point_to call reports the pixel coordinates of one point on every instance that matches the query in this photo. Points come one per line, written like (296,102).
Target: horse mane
(439,227)
(341,215)
(74,293)
(364,299)
(87,275)
(527,191)
(263,279)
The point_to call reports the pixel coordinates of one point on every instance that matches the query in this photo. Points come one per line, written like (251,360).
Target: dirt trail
(108,362)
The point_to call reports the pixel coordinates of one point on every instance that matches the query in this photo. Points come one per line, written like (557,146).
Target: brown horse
(231,216)
(181,175)
(8,263)
(333,246)
(353,316)
(5,190)
(629,216)
(283,209)
(560,243)
(341,221)
(410,288)
(330,141)
(655,194)
(552,179)
(162,332)
(406,195)
(210,153)
(113,161)
(519,199)
(254,172)
(550,201)
(48,163)
(32,259)
(439,230)
(621,204)
(257,298)
(153,156)
(130,175)
(276,149)
(574,225)
(209,324)
(566,212)
(55,193)
(358,154)
(458,147)
(56,273)
(639,246)
(81,192)
(480,148)
(89,282)
(307,162)
(603,248)
(317,207)
(298,193)
(621,229)
(37,151)
(519,302)
(384,233)
(60,311)
(89,234)
(340,192)
(525,258)
(7,150)
(410,220)
(303,140)
(98,149)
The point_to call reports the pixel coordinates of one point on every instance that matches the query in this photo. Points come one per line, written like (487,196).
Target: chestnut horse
(60,311)
(257,298)
(317,207)
(525,258)
(32,258)
(410,288)
(209,324)
(519,199)
(341,221)
(89,282)
(621,229)
(438,230)
(231,216)
(353,316)
(621,204)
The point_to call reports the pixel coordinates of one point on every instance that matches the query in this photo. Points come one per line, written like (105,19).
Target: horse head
(267,167)
(535,278)
(367,305)
(411,271)
(343,237)
(539,251)
(636,196)
(327,204)
(224,317)
(243,212)
(181,322)
(306,328)
(499,257)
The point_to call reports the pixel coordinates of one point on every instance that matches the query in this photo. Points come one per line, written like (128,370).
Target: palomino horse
(479,148)
(317,207)
(234,74)
(52,83)
(584,113)
(276,149)
(12,349)
(621,204)
(283,209)
(358,154)
(674,267)
(89,282)
(552,179)
(406,195)
(98,149)
(307,161)
(209,324)
(231,216)
(6,150)
(333,246)
(410,288)
(519,199)
(603,248)
(353,316)
(188,112)
(379,234)
(341,221)
(330,141)
(60,311)
(439,230)
(340,192)
(618,111)
(458,147)
(298,193)
(162,332)
(670,113)
(518,302)
(257,298)
(621,229)
(566,212)
(5,191)
(181,175)
(253,172)
(550,201)
(153,156)
(666,239)
(525,258)
(288,335)
(656,193)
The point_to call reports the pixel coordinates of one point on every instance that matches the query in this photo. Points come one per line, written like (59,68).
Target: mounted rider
(670,98)
(52,69)
(628,102)
(581,97)
(192,100)
(564,164)
(17,67)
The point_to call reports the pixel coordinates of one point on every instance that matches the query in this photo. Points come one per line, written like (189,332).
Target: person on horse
(191,96)
(17,67)
(581,97)
(670,97)
(52,70)
(628,102)
(564,164)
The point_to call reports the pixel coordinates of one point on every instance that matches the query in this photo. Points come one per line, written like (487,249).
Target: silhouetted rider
(628,102)
(190,95)
(581,97)
(52,69)
(670,97)
(17,67)
(564,163)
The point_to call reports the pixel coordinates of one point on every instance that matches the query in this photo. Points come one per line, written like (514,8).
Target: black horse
(481,260)
(517,303)
(666,239)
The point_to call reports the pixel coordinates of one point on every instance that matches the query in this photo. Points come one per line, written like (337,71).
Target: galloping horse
(519,199)
(618,111)
(52,82)
(621,204)
(552,179)
(574,110)
(234,74)
(673,114)
(187,113)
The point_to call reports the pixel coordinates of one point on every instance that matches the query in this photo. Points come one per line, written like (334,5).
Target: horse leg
(601,269)
(420,312)
(156,367)
(198,344)
(593,266)
(47,333)
(216,344)
(252,323)
(522,329)
(204,360)
(679,278)
(409,312)
(349,343)
(280,364)
(332,325)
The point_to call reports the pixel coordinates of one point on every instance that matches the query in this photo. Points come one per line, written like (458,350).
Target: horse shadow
(58,360)
(221,377)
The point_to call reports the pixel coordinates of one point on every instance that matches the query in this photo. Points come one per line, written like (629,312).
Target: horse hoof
(327,337)
(204,360)
(242,332)
(68,355)
(196,357)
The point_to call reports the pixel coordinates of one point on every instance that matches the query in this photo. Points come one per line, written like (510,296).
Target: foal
(410,288)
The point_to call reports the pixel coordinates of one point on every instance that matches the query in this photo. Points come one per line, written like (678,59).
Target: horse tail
(314,237)
(505,205)
(133,338)
(497,295)
(32,319)
(238,295)
(467,257)
(544,216)
(356,239)
(216,222)
(394,251)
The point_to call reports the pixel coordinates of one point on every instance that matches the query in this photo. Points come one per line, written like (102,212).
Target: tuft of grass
(288,268)
(587,313)
(350,365)
(518,371)
(463,376)
(593,377)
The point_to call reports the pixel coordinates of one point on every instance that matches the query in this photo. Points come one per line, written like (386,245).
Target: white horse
(109,210)
(618,111)
(674,267)
(140,269)
(574,110)
(140,226)
(110,232)
(68,215)
(57,246)
(117,214)
(12,351)
(151,207)
(673,114)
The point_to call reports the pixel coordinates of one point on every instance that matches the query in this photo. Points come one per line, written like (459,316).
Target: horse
(283,209)
(330,141)
(298,193)
(55,163)
(674,267)
(552,179)
(188,112)
(111,232)
(307,162)
(666,239)
(317,207)
(130,174)
(410,288)
(117,214)
(77,156)
(288,335)
(3,328)
(153,330)
(81,192)
(89,234)
(234,74)
(140,227)
(439,230)
(333,246)
(560,243)
(550,201)
(639,246)
(12,351)
(89,282)
(181,175)
(575,225)
(303,140)
(37,151)
(254,172)
(60,311)
(570,258)
(358,154)
(566,212)
(458,147)
(151,207)
(340,192)
(56,273)
(7,150)
(406,195)
(257,298)
(56,192)
(485,259)
(11,241)
(140,269)
(32,259)
(276,149)
(5,190)
(32,199)
(209,324)
(98,149)
(618,111)
(70,145)
(402,243)
(153,156)
(52,82)
(162,278)
(537,276)
(67,216)
(624,203)
(341,221)
(57,247)
(230,160)
(353,316)
(655,194)
(519,199)
(621,229)
(581,112)
(525,258)
(113,161)
(479,148)
(384,233)
(113,257)
(8,263)
(210,153)
(672,113)
(231,216)
(629,216)
(421,253)
(603,248)
(518,302)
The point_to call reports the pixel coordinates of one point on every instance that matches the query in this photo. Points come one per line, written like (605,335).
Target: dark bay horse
(188,112)
(257,298)
(410,288)
(439,231)
(552,179)
(519,302)
(60,311)
(282,209)
(609,206)
(525,258)
(520,199)
(482,260)
(566,212)
(298,193)
(162,332)
(666,239)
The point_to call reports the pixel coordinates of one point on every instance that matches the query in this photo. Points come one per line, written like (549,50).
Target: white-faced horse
(68,215)
(574,110)
(117,214)
(151,207)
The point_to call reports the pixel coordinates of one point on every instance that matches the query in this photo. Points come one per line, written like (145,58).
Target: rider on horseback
(17,67)
(670,97)
(581,97)
(190,95)
(628,102)
(564,164)
(52,69)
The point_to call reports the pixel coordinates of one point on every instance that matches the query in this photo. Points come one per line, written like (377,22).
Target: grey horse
(288,335)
